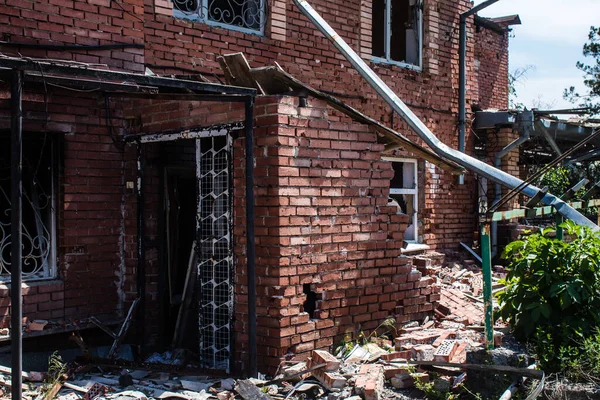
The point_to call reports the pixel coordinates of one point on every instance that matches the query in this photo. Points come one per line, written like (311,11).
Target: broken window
(39,227)
(404,193)
(397,31)
(244,15)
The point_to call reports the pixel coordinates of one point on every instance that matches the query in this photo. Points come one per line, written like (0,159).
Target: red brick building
(329,242)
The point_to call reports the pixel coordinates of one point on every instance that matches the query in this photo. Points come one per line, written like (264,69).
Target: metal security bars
(39,217)
(214,250)
(244,15)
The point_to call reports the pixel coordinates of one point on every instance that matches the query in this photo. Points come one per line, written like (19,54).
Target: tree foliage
(591,71)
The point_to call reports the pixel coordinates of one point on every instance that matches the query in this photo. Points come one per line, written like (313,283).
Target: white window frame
(413,245)
(201,15)
(387,36)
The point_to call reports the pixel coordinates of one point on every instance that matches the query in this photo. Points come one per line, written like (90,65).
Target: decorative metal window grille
(214,250)
(244,15)
(39,224)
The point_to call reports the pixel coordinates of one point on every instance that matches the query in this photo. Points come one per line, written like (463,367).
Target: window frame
(387,39)
(414,191)
(197,16)
(52,260)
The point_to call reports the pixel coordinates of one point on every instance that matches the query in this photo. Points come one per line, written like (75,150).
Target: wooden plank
(264,77)
(237,71)
(188,291)
(249,391)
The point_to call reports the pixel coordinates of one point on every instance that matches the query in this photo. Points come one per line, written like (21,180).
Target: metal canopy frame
(79,76)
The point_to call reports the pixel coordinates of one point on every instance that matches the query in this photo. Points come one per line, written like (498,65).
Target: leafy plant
(552,295)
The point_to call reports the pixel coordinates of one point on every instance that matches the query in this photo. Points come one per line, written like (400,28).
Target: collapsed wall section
(327,242)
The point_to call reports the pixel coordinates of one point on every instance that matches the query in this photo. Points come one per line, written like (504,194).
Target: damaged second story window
(397,32)
(242,15)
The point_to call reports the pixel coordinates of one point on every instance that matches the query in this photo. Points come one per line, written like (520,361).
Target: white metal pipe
(424,133)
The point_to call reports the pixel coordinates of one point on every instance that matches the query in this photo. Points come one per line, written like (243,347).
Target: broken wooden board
(274,80)
(249,391)
(237,71)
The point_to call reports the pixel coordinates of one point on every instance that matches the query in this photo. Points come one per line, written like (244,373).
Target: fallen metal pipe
(424,133)
(516,385)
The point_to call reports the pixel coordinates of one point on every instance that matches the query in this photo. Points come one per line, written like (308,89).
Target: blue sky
(551,39)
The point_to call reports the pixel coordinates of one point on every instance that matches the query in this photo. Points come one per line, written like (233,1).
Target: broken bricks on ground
(366,371)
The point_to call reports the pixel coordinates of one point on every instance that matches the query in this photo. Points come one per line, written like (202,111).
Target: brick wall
(322,225)
(491,69)
(95,246)
(181,46)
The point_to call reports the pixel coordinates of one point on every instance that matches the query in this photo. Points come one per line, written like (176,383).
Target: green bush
(552,295)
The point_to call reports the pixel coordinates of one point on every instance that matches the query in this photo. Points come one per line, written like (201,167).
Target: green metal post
(486,258)
(559,230)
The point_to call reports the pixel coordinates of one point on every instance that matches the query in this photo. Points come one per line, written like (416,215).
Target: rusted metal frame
(84,71)
(87,84)
(124,328)
(235,98)
(540,211)
(250,244)
(16,172)
(193,133)
(141,248)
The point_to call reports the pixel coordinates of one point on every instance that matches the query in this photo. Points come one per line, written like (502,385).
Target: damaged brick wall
(327,243)
(181,46)
(93,243)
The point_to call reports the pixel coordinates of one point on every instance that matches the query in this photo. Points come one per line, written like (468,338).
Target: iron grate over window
(244,15)
(39,227)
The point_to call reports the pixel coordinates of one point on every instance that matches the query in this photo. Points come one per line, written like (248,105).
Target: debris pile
(370,368)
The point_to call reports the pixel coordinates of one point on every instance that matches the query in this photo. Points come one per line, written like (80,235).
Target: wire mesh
(215,258)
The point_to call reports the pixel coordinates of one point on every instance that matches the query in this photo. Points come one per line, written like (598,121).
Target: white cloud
(551,39)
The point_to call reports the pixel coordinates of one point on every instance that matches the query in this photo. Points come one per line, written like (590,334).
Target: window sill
(414,247)
(195,18)
(39,282)
(384,61)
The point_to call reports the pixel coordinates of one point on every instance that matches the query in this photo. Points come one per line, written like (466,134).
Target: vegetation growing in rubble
(591,71)
(552,295)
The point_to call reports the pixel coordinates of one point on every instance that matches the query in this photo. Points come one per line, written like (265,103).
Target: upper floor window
(397,32)
(243,15)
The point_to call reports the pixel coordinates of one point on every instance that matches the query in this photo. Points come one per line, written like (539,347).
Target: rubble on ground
(376,367)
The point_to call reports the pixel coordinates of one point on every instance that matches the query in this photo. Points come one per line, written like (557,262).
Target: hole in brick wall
(310,304)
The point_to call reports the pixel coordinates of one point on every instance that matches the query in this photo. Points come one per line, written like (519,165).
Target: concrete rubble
(366,369)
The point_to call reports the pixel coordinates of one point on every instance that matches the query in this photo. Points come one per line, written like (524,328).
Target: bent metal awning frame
(81,76)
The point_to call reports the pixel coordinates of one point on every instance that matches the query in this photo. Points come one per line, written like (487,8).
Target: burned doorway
(198,214)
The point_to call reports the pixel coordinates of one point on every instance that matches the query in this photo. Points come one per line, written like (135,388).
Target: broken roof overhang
(70,73)
(498,24)
(564,132)
(274,80)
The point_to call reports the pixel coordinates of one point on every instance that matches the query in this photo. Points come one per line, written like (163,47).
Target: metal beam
(423,131)
(194,133)
(182,96)
(479,7)
(87,84)
(250,245)
(16,230)
(141,249)
(47,68)
(540,211)
(548,138)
